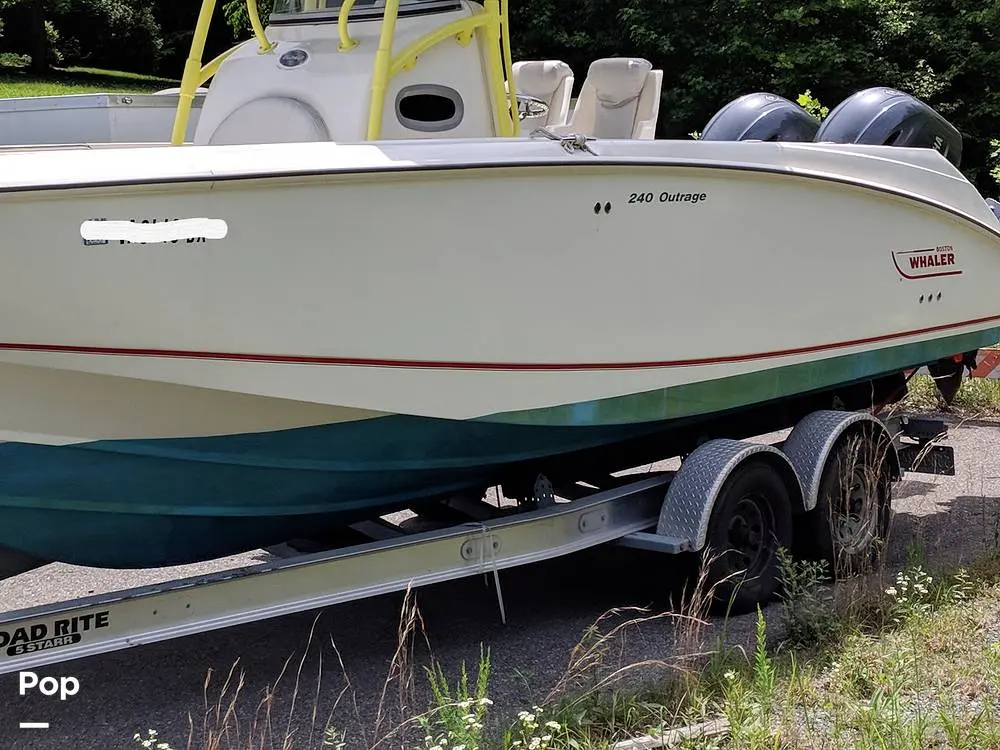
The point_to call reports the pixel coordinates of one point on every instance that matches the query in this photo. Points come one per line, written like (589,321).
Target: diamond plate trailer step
(48,634)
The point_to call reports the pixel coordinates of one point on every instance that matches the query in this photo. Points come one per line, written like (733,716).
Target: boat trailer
(667,512)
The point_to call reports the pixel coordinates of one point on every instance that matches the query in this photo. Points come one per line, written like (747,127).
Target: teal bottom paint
(151,503)
(742,390)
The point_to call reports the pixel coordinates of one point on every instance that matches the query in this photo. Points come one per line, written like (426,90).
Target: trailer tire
(751,520)
(850,542)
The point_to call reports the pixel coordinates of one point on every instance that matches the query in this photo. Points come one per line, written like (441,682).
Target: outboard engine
(761,117)
(994,207)
(886,117)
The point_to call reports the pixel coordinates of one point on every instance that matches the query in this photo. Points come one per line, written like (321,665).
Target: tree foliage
(944,51)
(130,35)
(235,13)
(108,34)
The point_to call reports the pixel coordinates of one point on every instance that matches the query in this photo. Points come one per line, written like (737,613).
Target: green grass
(910,662)
(976,398)
(916,667)
(17,81)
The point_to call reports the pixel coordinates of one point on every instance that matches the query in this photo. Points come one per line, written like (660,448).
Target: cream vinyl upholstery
(548,80)
(620,98)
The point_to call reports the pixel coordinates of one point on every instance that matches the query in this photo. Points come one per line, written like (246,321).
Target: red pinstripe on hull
(464,365)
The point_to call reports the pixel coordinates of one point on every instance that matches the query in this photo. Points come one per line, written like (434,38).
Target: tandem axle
(741,498)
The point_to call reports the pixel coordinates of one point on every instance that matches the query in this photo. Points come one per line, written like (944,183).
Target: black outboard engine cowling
(994,207)
(886,117)
(761,117)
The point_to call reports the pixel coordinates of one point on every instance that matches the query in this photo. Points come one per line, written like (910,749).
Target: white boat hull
(315,296)
(93,118)
(319,359)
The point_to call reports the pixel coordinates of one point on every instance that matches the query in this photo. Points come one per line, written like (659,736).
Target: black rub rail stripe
(599,162)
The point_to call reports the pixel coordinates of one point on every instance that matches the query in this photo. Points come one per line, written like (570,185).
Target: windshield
(285,11)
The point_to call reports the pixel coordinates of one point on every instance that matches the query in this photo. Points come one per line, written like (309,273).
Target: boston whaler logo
(42,636)
(927,262)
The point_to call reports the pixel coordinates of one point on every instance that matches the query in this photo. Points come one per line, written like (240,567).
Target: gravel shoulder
(548,607)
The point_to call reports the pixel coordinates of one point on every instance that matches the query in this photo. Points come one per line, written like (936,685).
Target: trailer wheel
(850,523)
(751,520)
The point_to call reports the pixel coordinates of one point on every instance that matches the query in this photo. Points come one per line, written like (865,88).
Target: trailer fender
(812,440)
(690,498)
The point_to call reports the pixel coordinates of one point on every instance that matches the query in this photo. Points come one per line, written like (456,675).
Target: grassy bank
(17,81)
(907,662)
(977,397)
(911,665)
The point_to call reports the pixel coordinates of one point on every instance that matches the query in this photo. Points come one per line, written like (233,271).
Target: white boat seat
(548,80)
(620,98)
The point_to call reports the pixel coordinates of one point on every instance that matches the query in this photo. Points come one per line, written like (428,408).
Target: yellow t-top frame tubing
(491,24)
(195,74)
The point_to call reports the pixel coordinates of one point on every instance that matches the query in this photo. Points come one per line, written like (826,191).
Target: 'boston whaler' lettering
(927,262)
(932,260)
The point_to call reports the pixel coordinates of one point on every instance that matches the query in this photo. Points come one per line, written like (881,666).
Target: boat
(364,265)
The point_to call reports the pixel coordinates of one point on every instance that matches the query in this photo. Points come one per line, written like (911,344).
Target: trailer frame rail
(46,634)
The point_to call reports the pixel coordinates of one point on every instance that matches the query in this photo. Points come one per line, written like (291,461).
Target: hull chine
(161,502)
